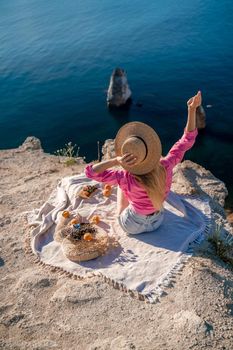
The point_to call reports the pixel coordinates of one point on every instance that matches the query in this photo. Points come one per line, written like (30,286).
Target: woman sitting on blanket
(146,177)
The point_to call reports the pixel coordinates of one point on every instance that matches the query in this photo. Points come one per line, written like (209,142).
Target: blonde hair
(154,183)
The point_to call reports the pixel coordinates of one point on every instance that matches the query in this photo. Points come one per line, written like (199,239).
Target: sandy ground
(41,310)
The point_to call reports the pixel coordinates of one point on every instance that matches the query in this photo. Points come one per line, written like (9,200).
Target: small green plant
(70,152)
(223,245)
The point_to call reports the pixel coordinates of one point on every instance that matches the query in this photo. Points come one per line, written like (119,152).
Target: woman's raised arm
(176,153)
(192,104)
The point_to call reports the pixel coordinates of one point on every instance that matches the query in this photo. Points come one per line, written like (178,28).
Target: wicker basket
(82,250)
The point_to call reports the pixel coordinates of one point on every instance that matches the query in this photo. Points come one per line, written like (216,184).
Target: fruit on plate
(95,219)
(89,188)
(108,187)
(88,237)
(66,214)
(87,191)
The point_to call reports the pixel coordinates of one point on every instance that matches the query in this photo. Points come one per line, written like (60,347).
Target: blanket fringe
(152,297)
(61,272)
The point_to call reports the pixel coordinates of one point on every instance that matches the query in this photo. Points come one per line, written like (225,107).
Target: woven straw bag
(81,250)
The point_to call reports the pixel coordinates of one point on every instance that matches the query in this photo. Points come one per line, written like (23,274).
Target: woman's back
(134,191)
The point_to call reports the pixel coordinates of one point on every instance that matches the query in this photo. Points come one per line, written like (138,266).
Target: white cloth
(142,263)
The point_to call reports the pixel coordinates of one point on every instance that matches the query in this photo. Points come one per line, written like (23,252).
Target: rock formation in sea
(200,117)
(119,92)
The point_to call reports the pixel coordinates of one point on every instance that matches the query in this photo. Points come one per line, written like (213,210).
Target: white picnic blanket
(142,264)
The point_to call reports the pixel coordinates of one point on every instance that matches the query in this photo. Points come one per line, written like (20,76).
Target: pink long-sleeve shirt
(132,189)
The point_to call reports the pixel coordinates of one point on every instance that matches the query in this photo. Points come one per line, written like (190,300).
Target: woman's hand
(192,104)
(195,101)
(127,159)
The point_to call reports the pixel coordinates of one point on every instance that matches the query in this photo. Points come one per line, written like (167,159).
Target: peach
(95,219)
(66,214)
(74,221)
(88,237)
(106,193)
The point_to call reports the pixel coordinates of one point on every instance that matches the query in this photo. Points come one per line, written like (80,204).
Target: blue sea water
(56,58)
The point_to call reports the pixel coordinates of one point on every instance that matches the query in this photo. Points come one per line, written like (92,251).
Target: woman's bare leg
(122,202)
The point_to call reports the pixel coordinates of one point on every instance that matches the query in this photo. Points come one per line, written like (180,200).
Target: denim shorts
(134,223)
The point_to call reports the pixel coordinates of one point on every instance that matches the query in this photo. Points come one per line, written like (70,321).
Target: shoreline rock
(31,143)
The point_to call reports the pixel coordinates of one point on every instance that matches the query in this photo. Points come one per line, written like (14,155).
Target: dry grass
(223,245)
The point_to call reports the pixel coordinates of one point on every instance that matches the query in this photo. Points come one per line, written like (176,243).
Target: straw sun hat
(143,142)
